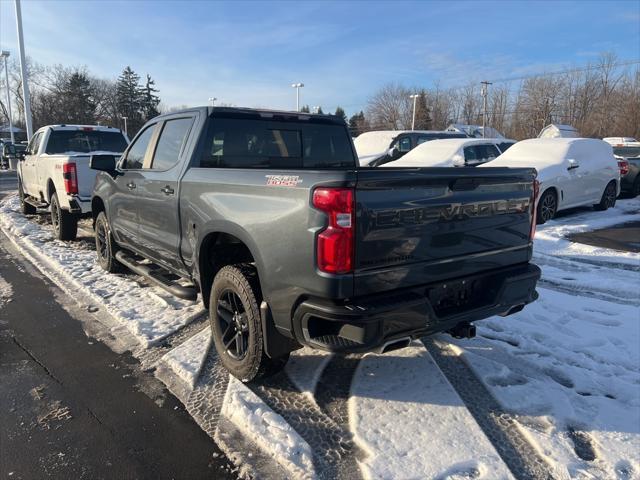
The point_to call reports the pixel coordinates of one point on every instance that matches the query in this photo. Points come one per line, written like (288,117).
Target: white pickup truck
(55,173)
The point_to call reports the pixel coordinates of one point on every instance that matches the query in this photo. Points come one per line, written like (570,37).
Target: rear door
(157,200)
(123,204)
(416,226)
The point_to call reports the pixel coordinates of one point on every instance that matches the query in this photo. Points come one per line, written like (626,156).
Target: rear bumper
(370,323)
(79,206)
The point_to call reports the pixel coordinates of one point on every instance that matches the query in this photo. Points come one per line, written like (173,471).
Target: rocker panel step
(154,274)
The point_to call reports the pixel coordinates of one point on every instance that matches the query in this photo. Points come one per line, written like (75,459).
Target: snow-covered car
(383,146)
(619,140)
(572,172)
(55,172)
(628,155)
(454,152)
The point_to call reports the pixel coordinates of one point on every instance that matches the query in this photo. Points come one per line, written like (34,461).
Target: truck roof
(259,113)
(63,126)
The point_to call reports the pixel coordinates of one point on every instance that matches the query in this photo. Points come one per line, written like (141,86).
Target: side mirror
(20,154)
(572,164)
(104,163)
(458,160)
(394,152)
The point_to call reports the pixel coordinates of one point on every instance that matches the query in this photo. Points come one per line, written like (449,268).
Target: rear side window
(85,141)
(172,139)
(253,143)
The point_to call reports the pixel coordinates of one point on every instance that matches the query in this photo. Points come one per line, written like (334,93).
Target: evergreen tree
(320,112)
(129,99)
(150,100)
(358,124)
(423,115)
(340,113)
(78,100)
(305,109)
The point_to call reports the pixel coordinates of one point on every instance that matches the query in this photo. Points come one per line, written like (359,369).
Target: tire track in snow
(499,426)
(332,396)
(331,444)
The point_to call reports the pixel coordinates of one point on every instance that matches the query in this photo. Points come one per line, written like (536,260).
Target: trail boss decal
(283,180)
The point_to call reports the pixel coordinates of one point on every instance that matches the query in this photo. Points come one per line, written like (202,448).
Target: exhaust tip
(395,345)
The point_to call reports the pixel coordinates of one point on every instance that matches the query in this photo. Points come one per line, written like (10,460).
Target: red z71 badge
(283,180)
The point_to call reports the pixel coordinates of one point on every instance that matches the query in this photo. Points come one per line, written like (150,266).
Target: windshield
(627,152)
(85,141)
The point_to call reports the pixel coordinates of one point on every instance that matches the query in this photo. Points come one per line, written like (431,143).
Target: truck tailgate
(421,225)
(86,176)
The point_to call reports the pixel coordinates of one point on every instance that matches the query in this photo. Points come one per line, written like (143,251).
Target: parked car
(572,172)
(383,146)
(619,140)
(266,214)
(55,172)
(454,152)
(10,154)
(628,155)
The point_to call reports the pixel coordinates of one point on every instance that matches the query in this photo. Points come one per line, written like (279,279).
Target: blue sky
(248,53)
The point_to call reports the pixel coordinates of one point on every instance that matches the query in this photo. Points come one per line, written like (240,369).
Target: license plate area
(459,296)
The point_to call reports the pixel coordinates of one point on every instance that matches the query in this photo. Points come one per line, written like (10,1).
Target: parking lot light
(5,54)
(297,86)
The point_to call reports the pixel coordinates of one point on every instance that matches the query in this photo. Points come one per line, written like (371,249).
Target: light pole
(484,91)
(126,132)
(5,55)
(413,121)
(297,86)
(213,101)
(23,70)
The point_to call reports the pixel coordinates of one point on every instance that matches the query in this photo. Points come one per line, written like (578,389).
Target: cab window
(135,156)
(172,140)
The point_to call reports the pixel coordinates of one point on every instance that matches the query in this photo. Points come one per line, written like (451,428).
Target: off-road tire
(242,281)
(608,199)
(25,208)
(106,247)
(547,206)
(65,223)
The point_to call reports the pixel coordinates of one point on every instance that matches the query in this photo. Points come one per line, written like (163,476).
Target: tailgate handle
(464,184)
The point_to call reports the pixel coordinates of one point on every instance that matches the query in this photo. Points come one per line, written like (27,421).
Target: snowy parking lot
(550,392)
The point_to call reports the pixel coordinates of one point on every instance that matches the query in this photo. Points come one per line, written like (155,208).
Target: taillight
(70,176)
(623,165)
(335,243)
(534,211)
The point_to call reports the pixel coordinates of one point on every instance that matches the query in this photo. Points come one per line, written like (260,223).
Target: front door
(28,167)
(158,206)
(123,212)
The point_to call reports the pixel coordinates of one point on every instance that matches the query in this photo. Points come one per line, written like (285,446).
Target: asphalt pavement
(72,408)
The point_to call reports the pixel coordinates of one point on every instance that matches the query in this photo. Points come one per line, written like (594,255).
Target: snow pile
(149,314)
(267,429)
(186,360)
(412,424)
(6,291)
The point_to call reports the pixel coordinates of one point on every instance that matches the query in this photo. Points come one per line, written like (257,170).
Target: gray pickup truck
(289,242)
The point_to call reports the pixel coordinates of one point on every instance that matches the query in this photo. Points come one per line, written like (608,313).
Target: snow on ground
(412,424)
(149,314)
(267,429)
(6,291)
(186,360)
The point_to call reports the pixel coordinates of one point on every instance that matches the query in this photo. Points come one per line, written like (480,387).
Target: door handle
(131,186)
(167,190)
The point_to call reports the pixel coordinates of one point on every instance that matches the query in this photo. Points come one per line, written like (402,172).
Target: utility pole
(297,86)
(5,55)
(23,70)
(485,91)
(413,121)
